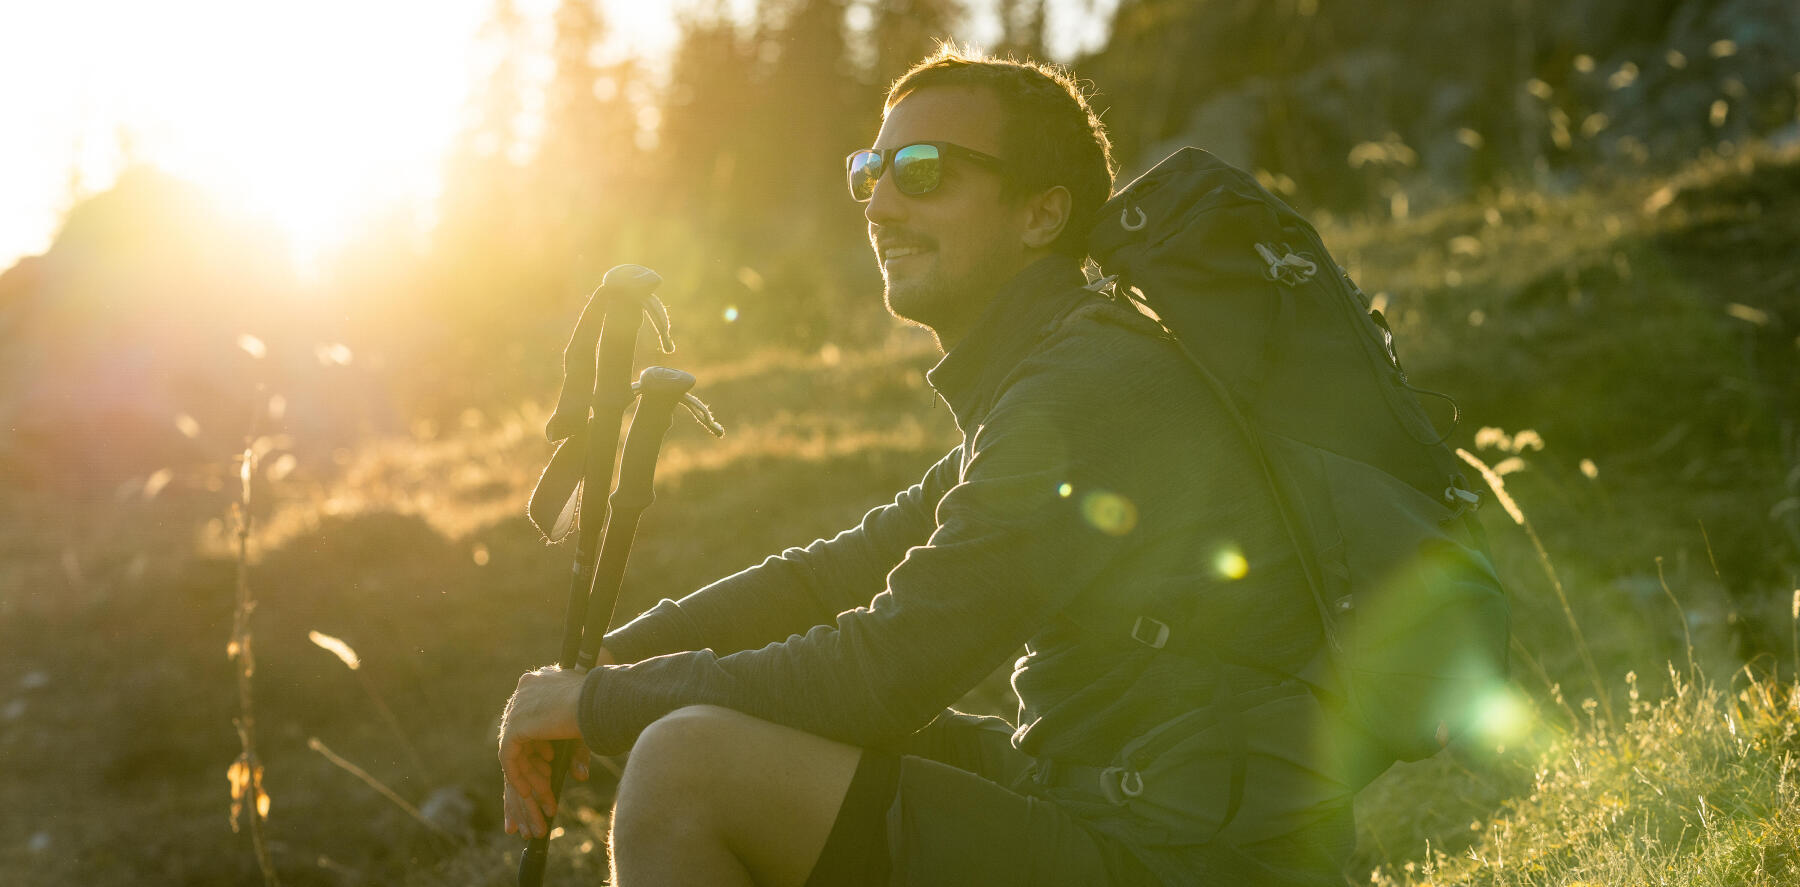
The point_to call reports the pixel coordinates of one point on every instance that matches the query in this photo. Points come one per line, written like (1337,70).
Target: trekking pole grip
(627,288)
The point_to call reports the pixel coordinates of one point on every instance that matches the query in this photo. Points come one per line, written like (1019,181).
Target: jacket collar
(1013,322)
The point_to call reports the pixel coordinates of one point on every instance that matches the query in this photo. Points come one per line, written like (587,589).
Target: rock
(451,809)
(1785,137)
(1228,125)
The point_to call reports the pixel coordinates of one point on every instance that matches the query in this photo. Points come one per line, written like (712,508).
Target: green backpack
(1415,618)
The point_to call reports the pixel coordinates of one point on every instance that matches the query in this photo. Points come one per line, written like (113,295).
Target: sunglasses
(918,167)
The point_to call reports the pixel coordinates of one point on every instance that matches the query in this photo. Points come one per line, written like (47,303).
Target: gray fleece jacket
(1097,476)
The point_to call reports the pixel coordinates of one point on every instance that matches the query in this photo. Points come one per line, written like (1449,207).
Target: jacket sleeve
(795,590)
(1010,549)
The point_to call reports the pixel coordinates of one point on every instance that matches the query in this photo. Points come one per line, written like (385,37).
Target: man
(787,724)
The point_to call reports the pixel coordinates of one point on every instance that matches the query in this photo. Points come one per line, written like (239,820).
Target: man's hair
(1049,135)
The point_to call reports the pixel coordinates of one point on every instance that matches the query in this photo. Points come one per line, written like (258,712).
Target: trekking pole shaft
(611,394)
(634,493)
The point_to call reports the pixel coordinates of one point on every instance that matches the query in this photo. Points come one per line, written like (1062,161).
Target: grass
(1698,787)
(1642,333)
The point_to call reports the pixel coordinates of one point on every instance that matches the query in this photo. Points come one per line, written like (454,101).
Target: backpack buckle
(1105,286)
(1291,268)
(1461,500)
(1152,633)
(1119,785)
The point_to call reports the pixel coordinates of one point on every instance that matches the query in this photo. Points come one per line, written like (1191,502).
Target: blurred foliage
(723,171)
(720,165)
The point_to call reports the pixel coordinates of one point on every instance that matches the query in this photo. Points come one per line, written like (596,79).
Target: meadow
(1626,359)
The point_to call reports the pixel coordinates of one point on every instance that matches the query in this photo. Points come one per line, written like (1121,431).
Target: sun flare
(314,118)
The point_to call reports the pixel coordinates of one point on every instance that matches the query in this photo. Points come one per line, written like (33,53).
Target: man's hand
(542,709)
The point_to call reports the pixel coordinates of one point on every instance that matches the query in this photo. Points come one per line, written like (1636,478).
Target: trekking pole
(659,391)
(594,395)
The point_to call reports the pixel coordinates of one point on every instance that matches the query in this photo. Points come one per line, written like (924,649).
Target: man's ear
(1046,214)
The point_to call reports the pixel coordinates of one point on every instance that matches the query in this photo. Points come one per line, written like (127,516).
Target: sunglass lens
(917,169)
(864,167)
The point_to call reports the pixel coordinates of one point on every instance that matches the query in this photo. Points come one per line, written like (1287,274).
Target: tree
(1022,28)
(904,31)
(589,155)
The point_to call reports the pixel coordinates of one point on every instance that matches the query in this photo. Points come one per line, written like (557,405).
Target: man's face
(943,254)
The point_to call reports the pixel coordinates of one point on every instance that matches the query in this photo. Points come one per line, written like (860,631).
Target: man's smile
(897,247)
(893,256)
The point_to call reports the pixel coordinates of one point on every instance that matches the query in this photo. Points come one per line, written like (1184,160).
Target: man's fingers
(578,762)
(522,816)
(525,770)
(540,710)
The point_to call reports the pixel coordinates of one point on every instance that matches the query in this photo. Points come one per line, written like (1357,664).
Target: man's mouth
(888,254)
(899,249)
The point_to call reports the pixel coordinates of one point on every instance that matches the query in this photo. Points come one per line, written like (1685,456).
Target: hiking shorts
(945,809)
(957,804)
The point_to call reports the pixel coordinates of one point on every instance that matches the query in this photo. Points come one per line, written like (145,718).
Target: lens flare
(1110,513)
(1503,716)
(1231,563)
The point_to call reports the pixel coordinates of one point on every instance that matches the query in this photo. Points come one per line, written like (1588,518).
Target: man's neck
(951,332)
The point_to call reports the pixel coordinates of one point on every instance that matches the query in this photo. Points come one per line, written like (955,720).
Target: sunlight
(303,118)
(323,119)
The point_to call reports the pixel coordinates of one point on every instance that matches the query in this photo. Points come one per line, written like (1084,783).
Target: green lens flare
(1110,513)
(1502,716)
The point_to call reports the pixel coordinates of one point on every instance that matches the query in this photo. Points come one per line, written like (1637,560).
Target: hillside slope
(1644,335)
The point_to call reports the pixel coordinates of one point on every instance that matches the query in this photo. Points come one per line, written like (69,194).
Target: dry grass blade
(247,772)
(346,654)
(376,784)
(1518,515)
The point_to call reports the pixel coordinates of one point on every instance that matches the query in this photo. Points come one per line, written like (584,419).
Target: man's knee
(683,747)
(668,776)
(686,736)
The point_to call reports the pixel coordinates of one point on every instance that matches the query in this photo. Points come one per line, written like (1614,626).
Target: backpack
(1414,617)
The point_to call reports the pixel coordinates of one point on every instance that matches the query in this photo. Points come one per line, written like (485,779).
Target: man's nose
(886,205)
